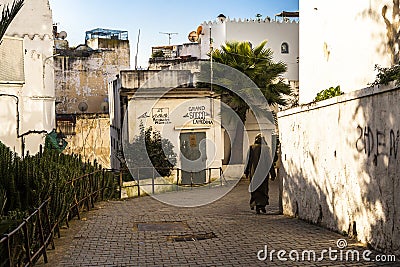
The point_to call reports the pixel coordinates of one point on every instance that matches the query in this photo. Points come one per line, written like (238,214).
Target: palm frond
(8,14)
(259,49)
(257,63)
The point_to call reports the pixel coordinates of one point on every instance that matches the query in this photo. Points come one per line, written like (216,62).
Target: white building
(341,41)
(27,99)
(187,116)
(282,36)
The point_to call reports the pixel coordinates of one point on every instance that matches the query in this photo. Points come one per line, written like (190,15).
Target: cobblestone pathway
(145,232)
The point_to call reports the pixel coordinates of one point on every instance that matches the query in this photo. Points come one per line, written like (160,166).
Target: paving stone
(109,236)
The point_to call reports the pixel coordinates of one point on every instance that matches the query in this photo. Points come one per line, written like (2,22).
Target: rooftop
(106,34)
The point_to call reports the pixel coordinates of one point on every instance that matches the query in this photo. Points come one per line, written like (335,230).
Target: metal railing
(140,182)
(87,191)
(29,240)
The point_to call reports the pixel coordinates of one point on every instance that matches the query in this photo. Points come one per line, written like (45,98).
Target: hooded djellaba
(259,168)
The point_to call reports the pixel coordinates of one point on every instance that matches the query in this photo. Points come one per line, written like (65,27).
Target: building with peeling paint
(27,97)
(82,74)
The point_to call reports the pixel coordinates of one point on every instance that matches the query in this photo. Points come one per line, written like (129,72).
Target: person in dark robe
(259,167)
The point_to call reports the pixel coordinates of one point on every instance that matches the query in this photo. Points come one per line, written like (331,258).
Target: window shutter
(12,60)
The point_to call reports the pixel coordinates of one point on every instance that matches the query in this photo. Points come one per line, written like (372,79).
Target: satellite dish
(62,35)
(83,106)
(199,30)
(193,37)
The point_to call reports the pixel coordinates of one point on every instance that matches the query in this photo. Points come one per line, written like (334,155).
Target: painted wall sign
(199,115)
(160,115)
(144,116)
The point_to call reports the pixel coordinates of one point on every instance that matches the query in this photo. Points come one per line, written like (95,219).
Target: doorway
(193,158)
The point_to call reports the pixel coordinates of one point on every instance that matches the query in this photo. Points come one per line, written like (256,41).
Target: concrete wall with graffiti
(341,165)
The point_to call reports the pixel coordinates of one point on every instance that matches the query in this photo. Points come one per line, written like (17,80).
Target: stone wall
(92,139)
(341,164)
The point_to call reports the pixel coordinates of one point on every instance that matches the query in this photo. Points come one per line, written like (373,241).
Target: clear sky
(154,16)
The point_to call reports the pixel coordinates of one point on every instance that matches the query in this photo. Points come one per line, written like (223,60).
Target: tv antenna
(169,36)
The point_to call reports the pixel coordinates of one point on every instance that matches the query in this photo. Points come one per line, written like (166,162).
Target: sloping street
(145,232)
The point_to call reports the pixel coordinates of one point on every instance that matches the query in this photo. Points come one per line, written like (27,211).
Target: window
(66,124)
(284,48)
(12,60)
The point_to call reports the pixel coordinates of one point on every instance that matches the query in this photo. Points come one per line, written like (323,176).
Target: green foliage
(26,183)
(160,151)
(328,93)
(387,75)
(7,15)
(158,53)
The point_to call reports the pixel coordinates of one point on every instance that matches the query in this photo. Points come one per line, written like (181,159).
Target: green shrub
(158,53)
(387,75)
(27,182)
(159,150)
(328,93)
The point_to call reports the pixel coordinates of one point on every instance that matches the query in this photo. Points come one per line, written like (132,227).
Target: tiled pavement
(132,233)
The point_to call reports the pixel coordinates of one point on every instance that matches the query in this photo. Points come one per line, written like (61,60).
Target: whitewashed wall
(255,32)
(33,25)
(178,121)
(341,165)
(341,41)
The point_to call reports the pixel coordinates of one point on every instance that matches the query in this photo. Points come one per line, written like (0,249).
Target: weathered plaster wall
(341,41)
(341,165)
(36,101)
(92,139)
(146,79)
(83,76)
(190,49)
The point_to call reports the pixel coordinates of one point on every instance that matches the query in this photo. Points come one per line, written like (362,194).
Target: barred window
(66,124)
(12,60)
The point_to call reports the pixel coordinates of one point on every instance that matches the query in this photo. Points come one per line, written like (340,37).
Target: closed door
(193,157)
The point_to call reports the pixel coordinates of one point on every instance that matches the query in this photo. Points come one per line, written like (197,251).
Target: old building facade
(27,97)
(187,116)
(82,74)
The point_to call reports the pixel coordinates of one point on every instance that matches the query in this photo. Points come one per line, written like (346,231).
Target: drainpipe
(17,107)
(18,125)
(44,67)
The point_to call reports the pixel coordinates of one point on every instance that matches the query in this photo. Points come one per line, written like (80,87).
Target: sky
(154,16)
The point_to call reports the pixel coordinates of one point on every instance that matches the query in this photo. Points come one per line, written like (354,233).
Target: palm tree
(8,14)
(257,63)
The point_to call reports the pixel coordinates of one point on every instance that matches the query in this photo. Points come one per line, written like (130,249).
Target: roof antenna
(137,49)
(169,36)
